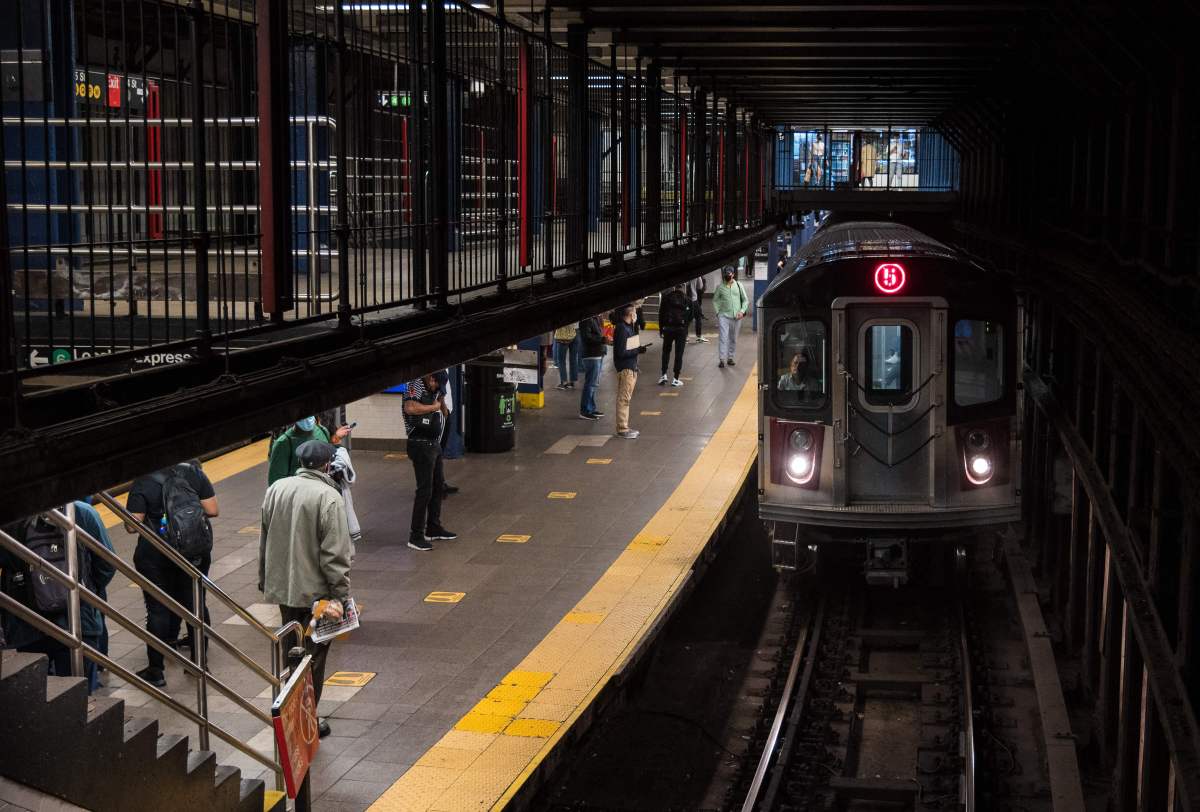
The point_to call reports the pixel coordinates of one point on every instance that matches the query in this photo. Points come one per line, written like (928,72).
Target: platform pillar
(579,149)
(700,182)
(653,232)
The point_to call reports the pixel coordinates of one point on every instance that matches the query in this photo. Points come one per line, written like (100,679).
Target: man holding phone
(425,413)
(627,346)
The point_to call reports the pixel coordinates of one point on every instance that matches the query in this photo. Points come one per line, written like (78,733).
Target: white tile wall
(379,417)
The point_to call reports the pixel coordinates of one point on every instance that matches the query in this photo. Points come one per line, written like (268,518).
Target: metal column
(342,226)
(417,153)
(577,107)
(653,228)
(439,248)
(700,207)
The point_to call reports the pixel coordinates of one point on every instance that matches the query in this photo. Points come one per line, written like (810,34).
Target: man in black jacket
(591,334)
(626,349)
(672,327)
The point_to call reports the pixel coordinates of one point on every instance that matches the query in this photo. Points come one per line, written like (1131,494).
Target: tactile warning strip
(496,746)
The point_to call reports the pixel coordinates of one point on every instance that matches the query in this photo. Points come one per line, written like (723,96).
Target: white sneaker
(629,434)
(663,379)
(702,340)
(676,382)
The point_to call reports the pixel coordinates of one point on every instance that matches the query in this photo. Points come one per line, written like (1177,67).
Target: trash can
(491,407)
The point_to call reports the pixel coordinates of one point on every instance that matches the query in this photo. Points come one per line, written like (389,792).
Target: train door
(888,400)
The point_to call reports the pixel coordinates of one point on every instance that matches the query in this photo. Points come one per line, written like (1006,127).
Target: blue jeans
(591,383)
(564,350)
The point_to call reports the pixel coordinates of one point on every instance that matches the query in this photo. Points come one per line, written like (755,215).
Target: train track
(876,708)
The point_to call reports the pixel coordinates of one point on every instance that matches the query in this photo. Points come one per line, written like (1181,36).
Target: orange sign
(295,717)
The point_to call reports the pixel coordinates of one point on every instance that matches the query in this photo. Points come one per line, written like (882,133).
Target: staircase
(56,739)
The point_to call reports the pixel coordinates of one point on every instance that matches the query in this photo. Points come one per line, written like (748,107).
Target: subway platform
(475,659)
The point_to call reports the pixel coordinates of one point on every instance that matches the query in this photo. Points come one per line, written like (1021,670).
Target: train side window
(798,366)
(888,352)
(978,362)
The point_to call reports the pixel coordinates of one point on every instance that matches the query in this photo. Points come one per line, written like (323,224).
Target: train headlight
(801,440)
(979,469)
(801,464)
(978,439)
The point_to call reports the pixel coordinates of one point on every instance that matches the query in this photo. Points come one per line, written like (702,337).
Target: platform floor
(465,649)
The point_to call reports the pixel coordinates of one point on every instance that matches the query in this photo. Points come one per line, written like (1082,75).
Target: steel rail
(967,790)
(755,797)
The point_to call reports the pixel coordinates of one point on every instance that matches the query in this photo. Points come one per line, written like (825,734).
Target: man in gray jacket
(304,548)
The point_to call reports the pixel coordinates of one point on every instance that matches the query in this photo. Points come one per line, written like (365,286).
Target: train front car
(889,403)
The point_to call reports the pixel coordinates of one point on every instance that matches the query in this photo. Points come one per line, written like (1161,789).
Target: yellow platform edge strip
(733,445)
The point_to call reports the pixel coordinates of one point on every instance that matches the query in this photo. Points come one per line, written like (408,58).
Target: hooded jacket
(304,543)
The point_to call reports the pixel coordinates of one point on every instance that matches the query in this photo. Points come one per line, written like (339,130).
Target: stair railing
(202,587)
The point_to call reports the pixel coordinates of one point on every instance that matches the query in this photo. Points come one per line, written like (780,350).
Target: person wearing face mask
(731,305)
(283,460)
(304,549)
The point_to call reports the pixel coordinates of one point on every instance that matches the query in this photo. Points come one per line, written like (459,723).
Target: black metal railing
(162,198)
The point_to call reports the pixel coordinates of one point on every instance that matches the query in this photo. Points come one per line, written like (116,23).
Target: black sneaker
(322,727)
(732,362)
(720,364)
(154,676)
(420,543)
(586,416)
(448,489)
(439,533)
(597,415)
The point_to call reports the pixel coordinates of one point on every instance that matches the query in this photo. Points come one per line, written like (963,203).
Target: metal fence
(427,152)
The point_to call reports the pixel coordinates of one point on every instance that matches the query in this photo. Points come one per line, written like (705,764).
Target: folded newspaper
(326,628)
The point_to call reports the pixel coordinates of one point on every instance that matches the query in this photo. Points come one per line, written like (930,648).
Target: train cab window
(888,352)
(798,367)
(978,362)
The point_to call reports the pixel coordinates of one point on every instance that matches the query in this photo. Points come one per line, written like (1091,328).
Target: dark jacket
(591,333)
(624,358)
(673,313)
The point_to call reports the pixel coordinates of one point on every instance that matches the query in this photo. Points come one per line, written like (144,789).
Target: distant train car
(889,410)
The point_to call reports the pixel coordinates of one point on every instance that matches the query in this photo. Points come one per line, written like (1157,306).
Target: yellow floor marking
(561,495)
(396,455)
(599,460)
(270,796)
(581,654)
(513,693)
(651,414)
(445,597)
(217,469)
(449,758)
(350,679)
(531,679)
(685,378)
(668,394)
(542,728)
(583,618)
(513,538)
(250,530)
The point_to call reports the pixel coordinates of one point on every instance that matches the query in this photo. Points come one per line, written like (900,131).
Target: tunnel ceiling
(823,63)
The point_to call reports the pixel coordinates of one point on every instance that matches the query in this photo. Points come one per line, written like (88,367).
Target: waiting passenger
(48,597)
(731,305)
(283,459)
(626,349)
(425,414)
(443,381)
(304,550)
(672,327)
(695,293)
(593,341)
(566,355)
(176,503)
(341,470)
(800,377)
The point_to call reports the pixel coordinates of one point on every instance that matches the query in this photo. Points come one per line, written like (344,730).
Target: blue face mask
(307,424)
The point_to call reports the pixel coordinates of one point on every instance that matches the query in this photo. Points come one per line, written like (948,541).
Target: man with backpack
(48,596)
(673,313)
(177,503)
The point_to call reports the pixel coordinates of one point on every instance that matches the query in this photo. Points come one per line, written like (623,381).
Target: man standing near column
(626,349)
(731,305)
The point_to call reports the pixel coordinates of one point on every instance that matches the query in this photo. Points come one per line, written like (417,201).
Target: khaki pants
(626,378)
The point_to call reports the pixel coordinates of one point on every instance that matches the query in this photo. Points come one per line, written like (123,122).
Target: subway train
(889,403)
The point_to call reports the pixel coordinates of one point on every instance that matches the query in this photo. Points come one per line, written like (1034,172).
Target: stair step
(67,697)
(274,801)
(140,742)
(171,756)
(19,671)
(105,719)
(226,787)
(201,765)
(250,795)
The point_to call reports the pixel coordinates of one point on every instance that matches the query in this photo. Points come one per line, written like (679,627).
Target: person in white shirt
(443,379)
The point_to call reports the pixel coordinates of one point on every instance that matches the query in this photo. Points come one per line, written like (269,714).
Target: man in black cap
(425,413)
(304,548)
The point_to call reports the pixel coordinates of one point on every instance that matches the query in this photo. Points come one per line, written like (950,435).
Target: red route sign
(295,716)
(890,278)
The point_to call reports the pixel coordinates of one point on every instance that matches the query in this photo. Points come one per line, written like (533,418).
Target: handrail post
(199,656)
(73,614)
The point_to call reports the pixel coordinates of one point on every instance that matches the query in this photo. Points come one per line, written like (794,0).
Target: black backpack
(674,311)
(188,529)
(43,593)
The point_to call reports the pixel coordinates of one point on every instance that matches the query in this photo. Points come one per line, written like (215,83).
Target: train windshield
(799,365)
(978,362)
